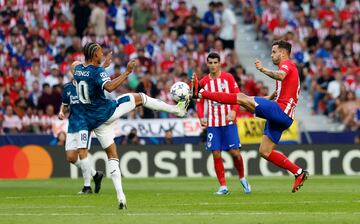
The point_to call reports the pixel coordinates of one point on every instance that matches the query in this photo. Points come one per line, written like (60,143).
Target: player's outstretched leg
(158,105)
(197,92)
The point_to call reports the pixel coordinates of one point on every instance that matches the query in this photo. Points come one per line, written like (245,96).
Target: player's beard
(276,61)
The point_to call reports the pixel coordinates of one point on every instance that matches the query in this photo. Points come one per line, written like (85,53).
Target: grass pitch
(334,199)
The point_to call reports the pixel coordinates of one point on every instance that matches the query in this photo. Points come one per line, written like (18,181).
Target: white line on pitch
(125,213)
(43,196)
(47,207)
(264,203)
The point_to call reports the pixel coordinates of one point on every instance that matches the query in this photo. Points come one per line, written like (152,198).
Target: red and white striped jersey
(288,90)
(216,112)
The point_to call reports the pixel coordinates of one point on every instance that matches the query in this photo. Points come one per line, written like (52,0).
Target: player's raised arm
(115,83)
(280,56)
(274,74)
(73,65)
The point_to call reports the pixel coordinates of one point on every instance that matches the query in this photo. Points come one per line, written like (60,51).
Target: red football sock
(282,161)
(226,98)
(220,172)
(239,165)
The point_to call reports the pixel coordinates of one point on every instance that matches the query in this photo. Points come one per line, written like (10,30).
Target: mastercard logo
(31,161)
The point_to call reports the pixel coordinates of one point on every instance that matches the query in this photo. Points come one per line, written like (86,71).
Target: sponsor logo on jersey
(104,75)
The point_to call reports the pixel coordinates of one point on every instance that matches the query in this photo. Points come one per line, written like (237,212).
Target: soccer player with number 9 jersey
(220,120)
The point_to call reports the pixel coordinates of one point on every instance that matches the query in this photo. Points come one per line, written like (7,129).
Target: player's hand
(231,116)
(108,60)
(130,66)
(61,115)
(203,122)
(258,65)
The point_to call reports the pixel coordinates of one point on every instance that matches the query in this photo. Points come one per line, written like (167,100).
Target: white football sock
(93,172)
(158,105)
(116,177)
(86,170)
(78,163)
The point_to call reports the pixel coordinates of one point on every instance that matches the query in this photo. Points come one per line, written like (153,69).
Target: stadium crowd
(40,39)
(325,35)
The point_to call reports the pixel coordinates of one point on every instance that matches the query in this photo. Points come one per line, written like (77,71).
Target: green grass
(334,199)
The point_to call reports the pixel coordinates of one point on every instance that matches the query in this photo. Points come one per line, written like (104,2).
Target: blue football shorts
(222,138)
(276,120)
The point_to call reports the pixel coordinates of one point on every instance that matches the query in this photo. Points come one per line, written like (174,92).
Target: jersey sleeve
(285,67)
(102,77)
(234,88)
(65,98)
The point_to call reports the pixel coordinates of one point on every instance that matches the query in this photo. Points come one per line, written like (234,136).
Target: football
(179,91)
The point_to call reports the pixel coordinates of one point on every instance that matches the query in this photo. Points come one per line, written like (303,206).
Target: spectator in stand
(12,122)
(20,106)
(120,18)
(30,121)
(149,88)
(49,97)
(81,13)
(133,138)
(182,12)
(194,20)
(168,138)
(348,112)
(333,93)
(98,17)
(228,26)
(141,15)
(54,77)
(34,95)
(47,119)
(321,87)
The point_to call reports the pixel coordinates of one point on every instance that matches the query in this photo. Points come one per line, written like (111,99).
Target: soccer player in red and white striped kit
(220,120)
(278,108)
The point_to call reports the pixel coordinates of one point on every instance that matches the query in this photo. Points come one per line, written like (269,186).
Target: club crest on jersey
(285,67)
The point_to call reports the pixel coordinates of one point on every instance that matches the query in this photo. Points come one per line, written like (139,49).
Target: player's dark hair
(283,44)
(213,55)
(89,50)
